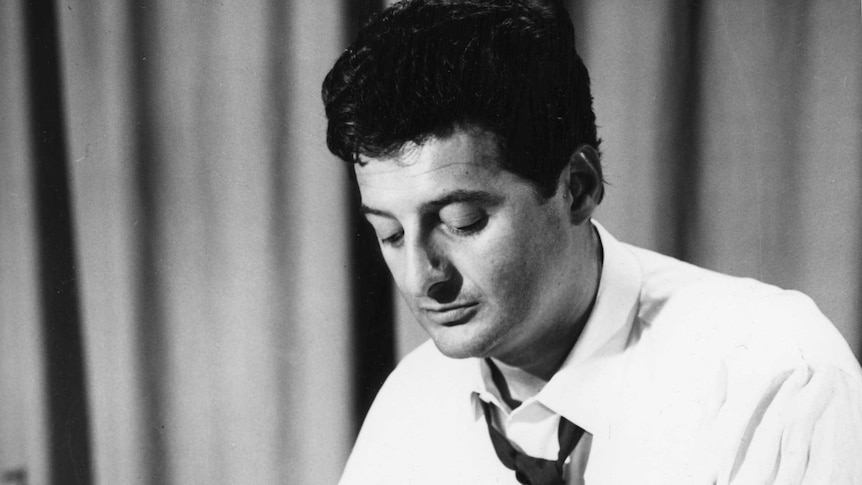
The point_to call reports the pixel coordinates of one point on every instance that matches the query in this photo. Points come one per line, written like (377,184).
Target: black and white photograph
(379,242)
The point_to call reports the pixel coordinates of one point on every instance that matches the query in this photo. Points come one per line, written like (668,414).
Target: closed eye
(463,218)
(468,228)
(389,231)
(393,240)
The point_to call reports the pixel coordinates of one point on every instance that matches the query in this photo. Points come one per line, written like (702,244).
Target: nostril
(443,292)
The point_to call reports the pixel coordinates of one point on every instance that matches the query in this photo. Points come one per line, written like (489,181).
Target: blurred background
(187,293)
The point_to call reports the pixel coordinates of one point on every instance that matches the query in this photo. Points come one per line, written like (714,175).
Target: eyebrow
(454,197)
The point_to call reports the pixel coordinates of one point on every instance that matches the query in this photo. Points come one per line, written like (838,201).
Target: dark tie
(529,470)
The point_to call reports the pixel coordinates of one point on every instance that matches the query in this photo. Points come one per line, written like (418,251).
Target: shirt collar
(585,387)
(483,386)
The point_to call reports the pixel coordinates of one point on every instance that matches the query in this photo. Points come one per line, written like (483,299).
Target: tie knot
(530,470)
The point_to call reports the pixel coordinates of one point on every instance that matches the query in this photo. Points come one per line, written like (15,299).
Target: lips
(450,315)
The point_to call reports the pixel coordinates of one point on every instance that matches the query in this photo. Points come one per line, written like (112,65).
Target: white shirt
(681,375)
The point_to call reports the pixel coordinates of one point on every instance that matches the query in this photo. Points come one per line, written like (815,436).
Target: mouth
(451,315)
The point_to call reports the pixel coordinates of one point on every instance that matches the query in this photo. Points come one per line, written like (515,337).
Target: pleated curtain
(231,326)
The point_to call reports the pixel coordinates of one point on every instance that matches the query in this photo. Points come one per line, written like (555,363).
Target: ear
(583,184)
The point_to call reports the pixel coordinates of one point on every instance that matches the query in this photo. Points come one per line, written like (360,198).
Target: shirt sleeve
(808,431)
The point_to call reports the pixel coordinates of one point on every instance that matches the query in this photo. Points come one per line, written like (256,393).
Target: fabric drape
(212,242)
(213,249)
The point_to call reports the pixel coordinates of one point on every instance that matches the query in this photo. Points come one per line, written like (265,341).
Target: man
(558,354)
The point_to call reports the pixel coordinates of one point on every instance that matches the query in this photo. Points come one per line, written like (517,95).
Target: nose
(429,272)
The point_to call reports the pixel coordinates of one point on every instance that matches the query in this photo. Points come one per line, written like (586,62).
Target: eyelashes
(393,240)
(460,227)
(462,218)
(457,219)
(468,226)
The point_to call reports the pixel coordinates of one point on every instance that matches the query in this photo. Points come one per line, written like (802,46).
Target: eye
(389,232)
(393,239)
(463,218)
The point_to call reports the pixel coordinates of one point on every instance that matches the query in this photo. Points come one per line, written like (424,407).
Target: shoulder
(736,319)
(425,369)
(737,373)
(419,417)
(424,382)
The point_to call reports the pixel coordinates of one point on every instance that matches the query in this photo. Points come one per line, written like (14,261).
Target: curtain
(211,242)
(187,294)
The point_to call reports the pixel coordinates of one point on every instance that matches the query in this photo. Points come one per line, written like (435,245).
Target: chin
(457,352)
(462,343)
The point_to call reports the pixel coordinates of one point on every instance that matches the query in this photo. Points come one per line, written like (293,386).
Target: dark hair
(423,68)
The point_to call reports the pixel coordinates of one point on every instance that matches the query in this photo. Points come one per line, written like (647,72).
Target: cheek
(511,264)
(396,270)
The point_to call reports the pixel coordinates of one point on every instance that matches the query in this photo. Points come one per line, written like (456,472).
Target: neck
(526,376)
(522,377)
(515,384)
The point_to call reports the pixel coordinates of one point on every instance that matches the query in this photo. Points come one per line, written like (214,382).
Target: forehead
(462,160)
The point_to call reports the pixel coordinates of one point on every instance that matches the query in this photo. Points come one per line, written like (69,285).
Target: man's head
(422,68)
(476,156)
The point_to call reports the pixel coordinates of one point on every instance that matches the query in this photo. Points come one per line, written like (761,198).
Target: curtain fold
(24,454)
(233,331)
(214,240)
